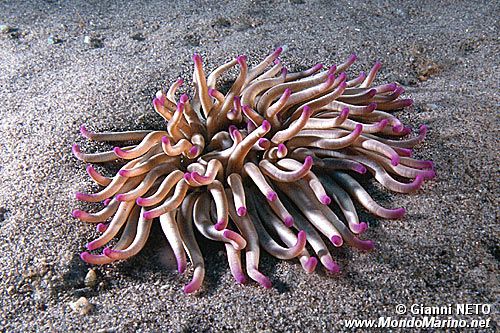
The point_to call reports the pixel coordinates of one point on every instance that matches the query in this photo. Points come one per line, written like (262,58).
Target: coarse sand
(64,63)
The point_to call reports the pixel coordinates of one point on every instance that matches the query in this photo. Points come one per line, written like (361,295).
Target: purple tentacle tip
(121,197)
(331,265)
(311,264)
(325,200)
(360,168)
(240,278)
(359,228)
(220,225)
(84,132)
(266,126)
(271,196)
(241,211)
(77,213)
(395,160)
(80,196)
(84,256)
(107,251)
(91,246)
(148,215)
(101,227)
(181,267)
(337,240)
(289,221)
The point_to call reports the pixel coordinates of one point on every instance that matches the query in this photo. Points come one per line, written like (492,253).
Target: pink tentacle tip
(423,130)
(317,67)
(406,130)
(241,60)
(417,182)
(194,150)
(140,201)
(119,152)
(181,267)
(331,265)
(278,51)
(266,126)
(180,107)
(165,140)
(240,278)
(188,176)
(392,86)
(307,111)
(332,69)
(91,246)
(272,196)
(325,200)
(398,128)
(277,61)
(407,102)
(341,78)
(101,227)
(106,201)
(311,264)
(284,72)
(124,173)
(429,174)
(84,132)
(197,59)
(352,58)
(108,252)
(371,93)
(184,99)
(377,65)
(344,113)
(361,169)
(121,197)
(337,240)
(237,100)
(371,107)
(301,237)
(395,160)
(84,256)
(241,211)
(383,123)
(264,143)
(82,196)
(231,129)
(308,161)
(264,281)
(358,129)
(363,245)
(77,213)
(289,221)
(180,81)
(212,92)
(75,148)
(282,148)
(191,287)
(220,225)
(149,215)
(157,103)
(406,152)
(428,164)
(398,212)
(359,228)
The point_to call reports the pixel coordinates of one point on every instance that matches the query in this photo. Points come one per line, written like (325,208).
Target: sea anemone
(259,165)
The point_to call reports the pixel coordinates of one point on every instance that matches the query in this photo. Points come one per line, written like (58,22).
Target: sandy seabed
(445,250)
